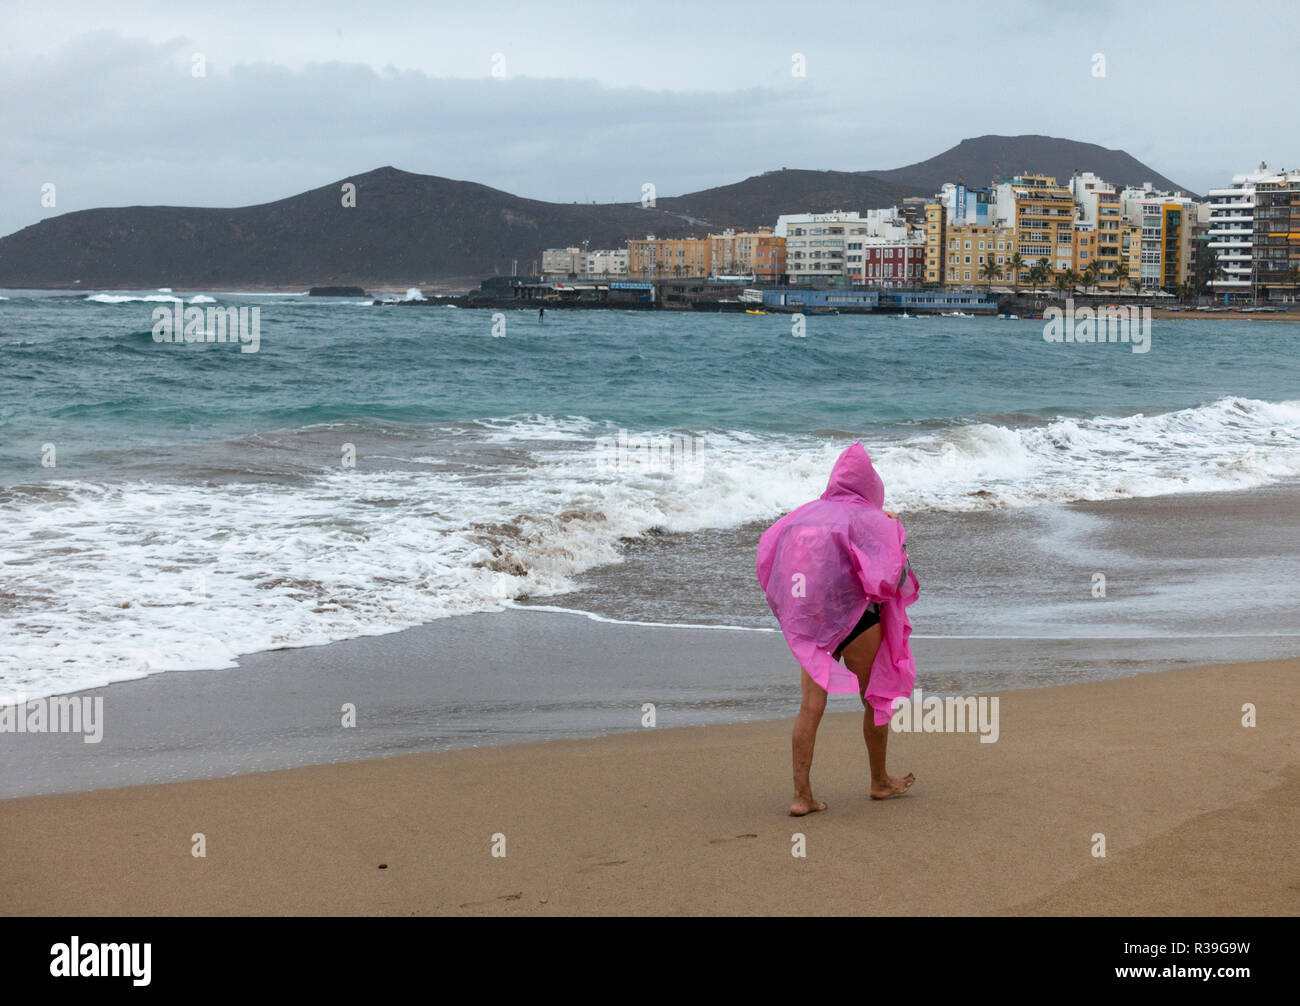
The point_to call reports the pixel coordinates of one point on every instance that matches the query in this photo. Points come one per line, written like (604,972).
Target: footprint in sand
(500,897)
(723,841)
(609,862)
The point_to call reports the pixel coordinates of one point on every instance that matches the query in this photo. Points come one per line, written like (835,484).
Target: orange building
(769,258)
(757,253)
(1085,248)
(669,258)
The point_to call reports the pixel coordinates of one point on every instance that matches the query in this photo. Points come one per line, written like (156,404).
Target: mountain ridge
(409,228)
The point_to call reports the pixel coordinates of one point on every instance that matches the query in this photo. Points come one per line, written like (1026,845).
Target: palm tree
(1121,275)
(1071,278)
(989,272)
(1039,274)
(1136,284)
(1090,274)
(1062,281)
(1293,277)
(1015,263)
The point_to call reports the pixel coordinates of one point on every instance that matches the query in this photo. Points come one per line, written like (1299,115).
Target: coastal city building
(1098,209)
(934,242)
(972,248)
(1232,235)
(1275,253)
(1085,248)
(1254,232)
(1166,221)
(769,258)
(580,262)
(964,205)
(606,263)
(1130,255)
(839,244)
(758,253)
(560,261)
(892,263)
(668,258)
(1042,215)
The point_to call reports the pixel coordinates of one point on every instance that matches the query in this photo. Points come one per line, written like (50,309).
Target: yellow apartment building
(934,242)
(668,258)
(747,253)
(969,247)
(1042,215)
(1085,248)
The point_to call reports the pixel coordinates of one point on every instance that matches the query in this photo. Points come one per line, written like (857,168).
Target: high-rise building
(1275,250)
(1098,209)
(1166,221)
(1232,234)
(1042,215)
(935,225)
(1254,233)
(1130,255)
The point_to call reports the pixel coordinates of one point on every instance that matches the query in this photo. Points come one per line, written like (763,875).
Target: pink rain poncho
(821,565)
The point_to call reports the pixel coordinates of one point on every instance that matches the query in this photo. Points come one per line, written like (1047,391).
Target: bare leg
(805,737)
(858,658)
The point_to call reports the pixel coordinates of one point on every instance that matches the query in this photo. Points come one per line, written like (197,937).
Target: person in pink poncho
(836,576)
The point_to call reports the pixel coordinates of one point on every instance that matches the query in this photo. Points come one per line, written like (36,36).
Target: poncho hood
(854,478)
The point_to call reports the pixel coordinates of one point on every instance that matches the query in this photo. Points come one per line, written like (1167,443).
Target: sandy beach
(1199,815)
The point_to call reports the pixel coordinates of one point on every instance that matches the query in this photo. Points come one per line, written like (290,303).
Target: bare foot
(892,787)
(802,806)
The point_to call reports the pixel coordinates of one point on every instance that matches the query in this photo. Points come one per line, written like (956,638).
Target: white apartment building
(1086,188)
(1166,236)
(560,261)
(820,246)
(605,262)
(589,264)
(1232,228)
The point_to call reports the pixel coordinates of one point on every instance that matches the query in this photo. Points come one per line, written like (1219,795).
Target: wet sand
(1198,814)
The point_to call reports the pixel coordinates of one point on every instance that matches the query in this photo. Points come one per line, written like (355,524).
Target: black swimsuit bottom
(869,618)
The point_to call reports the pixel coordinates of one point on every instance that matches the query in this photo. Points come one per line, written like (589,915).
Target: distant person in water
(836,576)
(541,313)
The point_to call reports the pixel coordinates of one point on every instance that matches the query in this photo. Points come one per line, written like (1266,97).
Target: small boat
(750,310)
(819,311)
(1011,317)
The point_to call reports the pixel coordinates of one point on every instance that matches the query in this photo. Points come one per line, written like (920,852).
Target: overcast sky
(101,99)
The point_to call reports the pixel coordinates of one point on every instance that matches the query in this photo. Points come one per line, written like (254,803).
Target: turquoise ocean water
(170,506)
